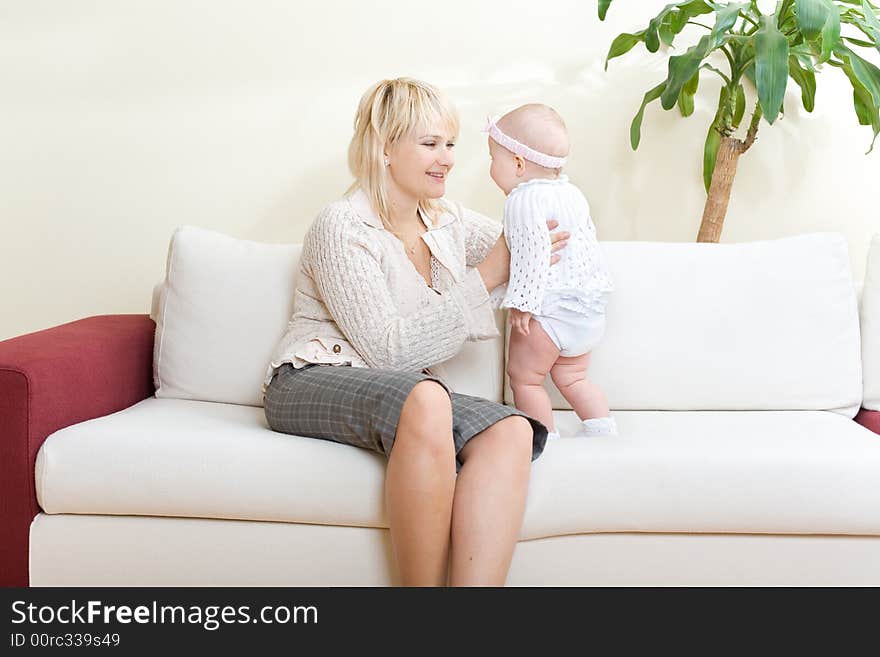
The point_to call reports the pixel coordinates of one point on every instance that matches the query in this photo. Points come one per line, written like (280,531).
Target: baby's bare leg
(529,360)
(586,398)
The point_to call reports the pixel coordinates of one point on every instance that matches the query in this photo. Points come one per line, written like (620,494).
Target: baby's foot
(599,426)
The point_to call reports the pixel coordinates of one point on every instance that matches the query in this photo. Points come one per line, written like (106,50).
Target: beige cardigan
(360,301)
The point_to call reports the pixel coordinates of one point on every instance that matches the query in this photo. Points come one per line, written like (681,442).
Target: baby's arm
(528,238)
(519,320)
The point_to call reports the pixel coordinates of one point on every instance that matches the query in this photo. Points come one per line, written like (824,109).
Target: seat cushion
(174,457)
(749,471)
(703,471)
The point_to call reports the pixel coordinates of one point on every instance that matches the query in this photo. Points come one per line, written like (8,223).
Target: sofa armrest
(869,419)
(52,379)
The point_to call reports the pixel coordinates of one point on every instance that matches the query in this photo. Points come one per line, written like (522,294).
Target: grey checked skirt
(361,406)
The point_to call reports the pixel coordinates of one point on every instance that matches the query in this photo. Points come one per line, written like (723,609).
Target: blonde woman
(394,280)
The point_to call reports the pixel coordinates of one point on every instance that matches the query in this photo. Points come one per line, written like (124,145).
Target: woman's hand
(557,240)
(495,268)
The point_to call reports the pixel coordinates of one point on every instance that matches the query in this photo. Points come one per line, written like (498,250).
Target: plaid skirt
(361,406)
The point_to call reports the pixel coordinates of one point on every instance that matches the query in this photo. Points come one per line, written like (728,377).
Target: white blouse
(580,281)
(360,301)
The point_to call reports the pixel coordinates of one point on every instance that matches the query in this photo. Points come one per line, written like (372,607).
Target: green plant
(796,41)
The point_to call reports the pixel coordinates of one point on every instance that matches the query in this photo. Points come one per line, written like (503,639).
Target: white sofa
(734,372)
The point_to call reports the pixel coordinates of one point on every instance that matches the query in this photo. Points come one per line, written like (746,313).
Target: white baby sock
(599,426)
(552,435)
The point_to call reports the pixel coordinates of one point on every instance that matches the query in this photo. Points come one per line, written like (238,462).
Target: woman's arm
(353,286)
(481,234)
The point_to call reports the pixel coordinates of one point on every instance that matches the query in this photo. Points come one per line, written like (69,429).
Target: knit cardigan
(360,301)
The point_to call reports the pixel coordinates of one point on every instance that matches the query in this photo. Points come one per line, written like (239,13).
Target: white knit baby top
(580,281)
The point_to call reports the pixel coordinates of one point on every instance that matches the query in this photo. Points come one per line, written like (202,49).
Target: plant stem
(786,4)
(730,60)
(751,20)
(752,134)
(719,191)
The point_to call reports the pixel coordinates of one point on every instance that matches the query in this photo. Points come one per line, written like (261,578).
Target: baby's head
(524,135)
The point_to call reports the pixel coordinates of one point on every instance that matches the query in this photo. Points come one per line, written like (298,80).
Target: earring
(387,161)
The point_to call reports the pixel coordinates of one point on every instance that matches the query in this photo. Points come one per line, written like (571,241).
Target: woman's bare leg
(490,500)
(420,484)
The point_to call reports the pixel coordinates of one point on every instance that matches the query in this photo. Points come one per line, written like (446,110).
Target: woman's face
(419,163)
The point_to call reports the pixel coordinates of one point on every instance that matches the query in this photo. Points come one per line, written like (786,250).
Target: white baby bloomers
(568,298)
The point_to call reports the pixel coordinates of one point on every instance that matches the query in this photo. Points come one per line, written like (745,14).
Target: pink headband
(511,144)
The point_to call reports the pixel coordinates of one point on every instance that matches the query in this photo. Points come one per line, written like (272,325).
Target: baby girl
(557,314)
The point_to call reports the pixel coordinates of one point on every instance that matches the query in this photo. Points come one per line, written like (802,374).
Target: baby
(557,313)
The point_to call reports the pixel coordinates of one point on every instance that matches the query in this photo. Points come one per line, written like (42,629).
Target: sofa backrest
(753,326)
(870,316)
(761,325)
(219,312)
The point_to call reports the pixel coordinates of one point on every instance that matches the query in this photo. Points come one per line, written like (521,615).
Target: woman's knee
(427,401)
(508,439)
(426,418)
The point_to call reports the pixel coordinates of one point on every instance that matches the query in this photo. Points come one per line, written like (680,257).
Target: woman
(392,281)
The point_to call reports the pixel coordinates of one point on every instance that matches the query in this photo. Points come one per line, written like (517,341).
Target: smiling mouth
(437,176)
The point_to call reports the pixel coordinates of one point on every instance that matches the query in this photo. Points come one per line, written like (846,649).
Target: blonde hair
(388,111)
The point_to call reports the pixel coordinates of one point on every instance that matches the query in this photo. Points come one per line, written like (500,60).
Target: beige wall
(122,120)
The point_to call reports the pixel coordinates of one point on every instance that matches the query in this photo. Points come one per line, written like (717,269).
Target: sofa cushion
(225,303)
(870,314)
(754,472)
(753,326)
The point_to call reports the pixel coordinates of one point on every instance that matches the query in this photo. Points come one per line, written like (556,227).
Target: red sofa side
(869,419)
(52,379)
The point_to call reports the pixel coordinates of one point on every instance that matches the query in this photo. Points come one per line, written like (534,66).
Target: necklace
(411,248)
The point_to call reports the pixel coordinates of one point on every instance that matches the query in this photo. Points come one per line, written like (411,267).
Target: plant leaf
(682,68)
(726,17)
(674,16)
(771,67)
(866,73)
(666,34)
(622,44)
(859,42)
(872,24)
(806,80)
(811,17)
(865,80)
(710,155)
(686,97)
(603,8)
(868,114)
(862,103)
(635,130)
(652,33)
(713,141)
(830,32)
